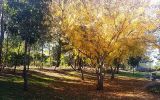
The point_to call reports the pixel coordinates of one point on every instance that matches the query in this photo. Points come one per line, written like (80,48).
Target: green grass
(11,88)
(136,74)
(56,87)
(158,74)
(131,75)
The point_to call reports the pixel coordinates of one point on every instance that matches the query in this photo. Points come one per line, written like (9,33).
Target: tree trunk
(28,60)
(6,54)
(133,70)
(19,47)
(15,69)
(117,71)
(25,77)
(75,63)
(100,78)
(113,73)
(80,64)
(34,59)
(82,75)
(59,52)
(42,56)
(1,35)
(50,60)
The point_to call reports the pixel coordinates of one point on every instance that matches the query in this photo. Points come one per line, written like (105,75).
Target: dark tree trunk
(34,59)
(82,75)
(19,46)
(80,64)
(42,60)
(100,78)
(25,77)
(133,70)
(1,35)
(113,73)
(117,71)
(6,54)
(28,60)
(59,52)
(15,69)
(75,63)
(50,60)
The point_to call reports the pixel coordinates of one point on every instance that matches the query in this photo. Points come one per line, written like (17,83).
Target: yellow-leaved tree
(103,30)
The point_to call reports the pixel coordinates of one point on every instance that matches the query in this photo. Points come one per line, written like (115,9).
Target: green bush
(15,59)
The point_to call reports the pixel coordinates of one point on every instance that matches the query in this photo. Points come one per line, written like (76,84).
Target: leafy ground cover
(66,84)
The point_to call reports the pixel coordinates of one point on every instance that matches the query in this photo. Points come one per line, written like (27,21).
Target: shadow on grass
(44,87)
(73,73)
(41,87)
(41,77)
(14,91)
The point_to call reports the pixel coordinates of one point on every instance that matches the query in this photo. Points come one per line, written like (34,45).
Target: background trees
(27,18)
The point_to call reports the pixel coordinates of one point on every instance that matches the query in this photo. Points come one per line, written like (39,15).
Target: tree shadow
(119,89)
(42,86)
(41,77)
(14,91)
(67,72)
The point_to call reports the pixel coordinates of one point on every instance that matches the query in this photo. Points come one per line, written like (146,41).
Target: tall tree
(134,62)
(28,16)
(2,30)
(56,17)
(99,30)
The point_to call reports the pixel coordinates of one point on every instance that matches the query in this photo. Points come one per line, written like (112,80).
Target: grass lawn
(135,75)
(67,85)
(12,88)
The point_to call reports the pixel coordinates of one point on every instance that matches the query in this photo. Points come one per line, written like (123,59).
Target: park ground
(66,84)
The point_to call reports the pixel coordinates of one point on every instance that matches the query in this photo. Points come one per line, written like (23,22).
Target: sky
(155,1)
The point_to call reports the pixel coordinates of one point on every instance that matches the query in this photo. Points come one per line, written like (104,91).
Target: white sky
(155,2)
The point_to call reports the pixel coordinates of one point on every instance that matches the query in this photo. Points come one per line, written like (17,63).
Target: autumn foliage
(104,30)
